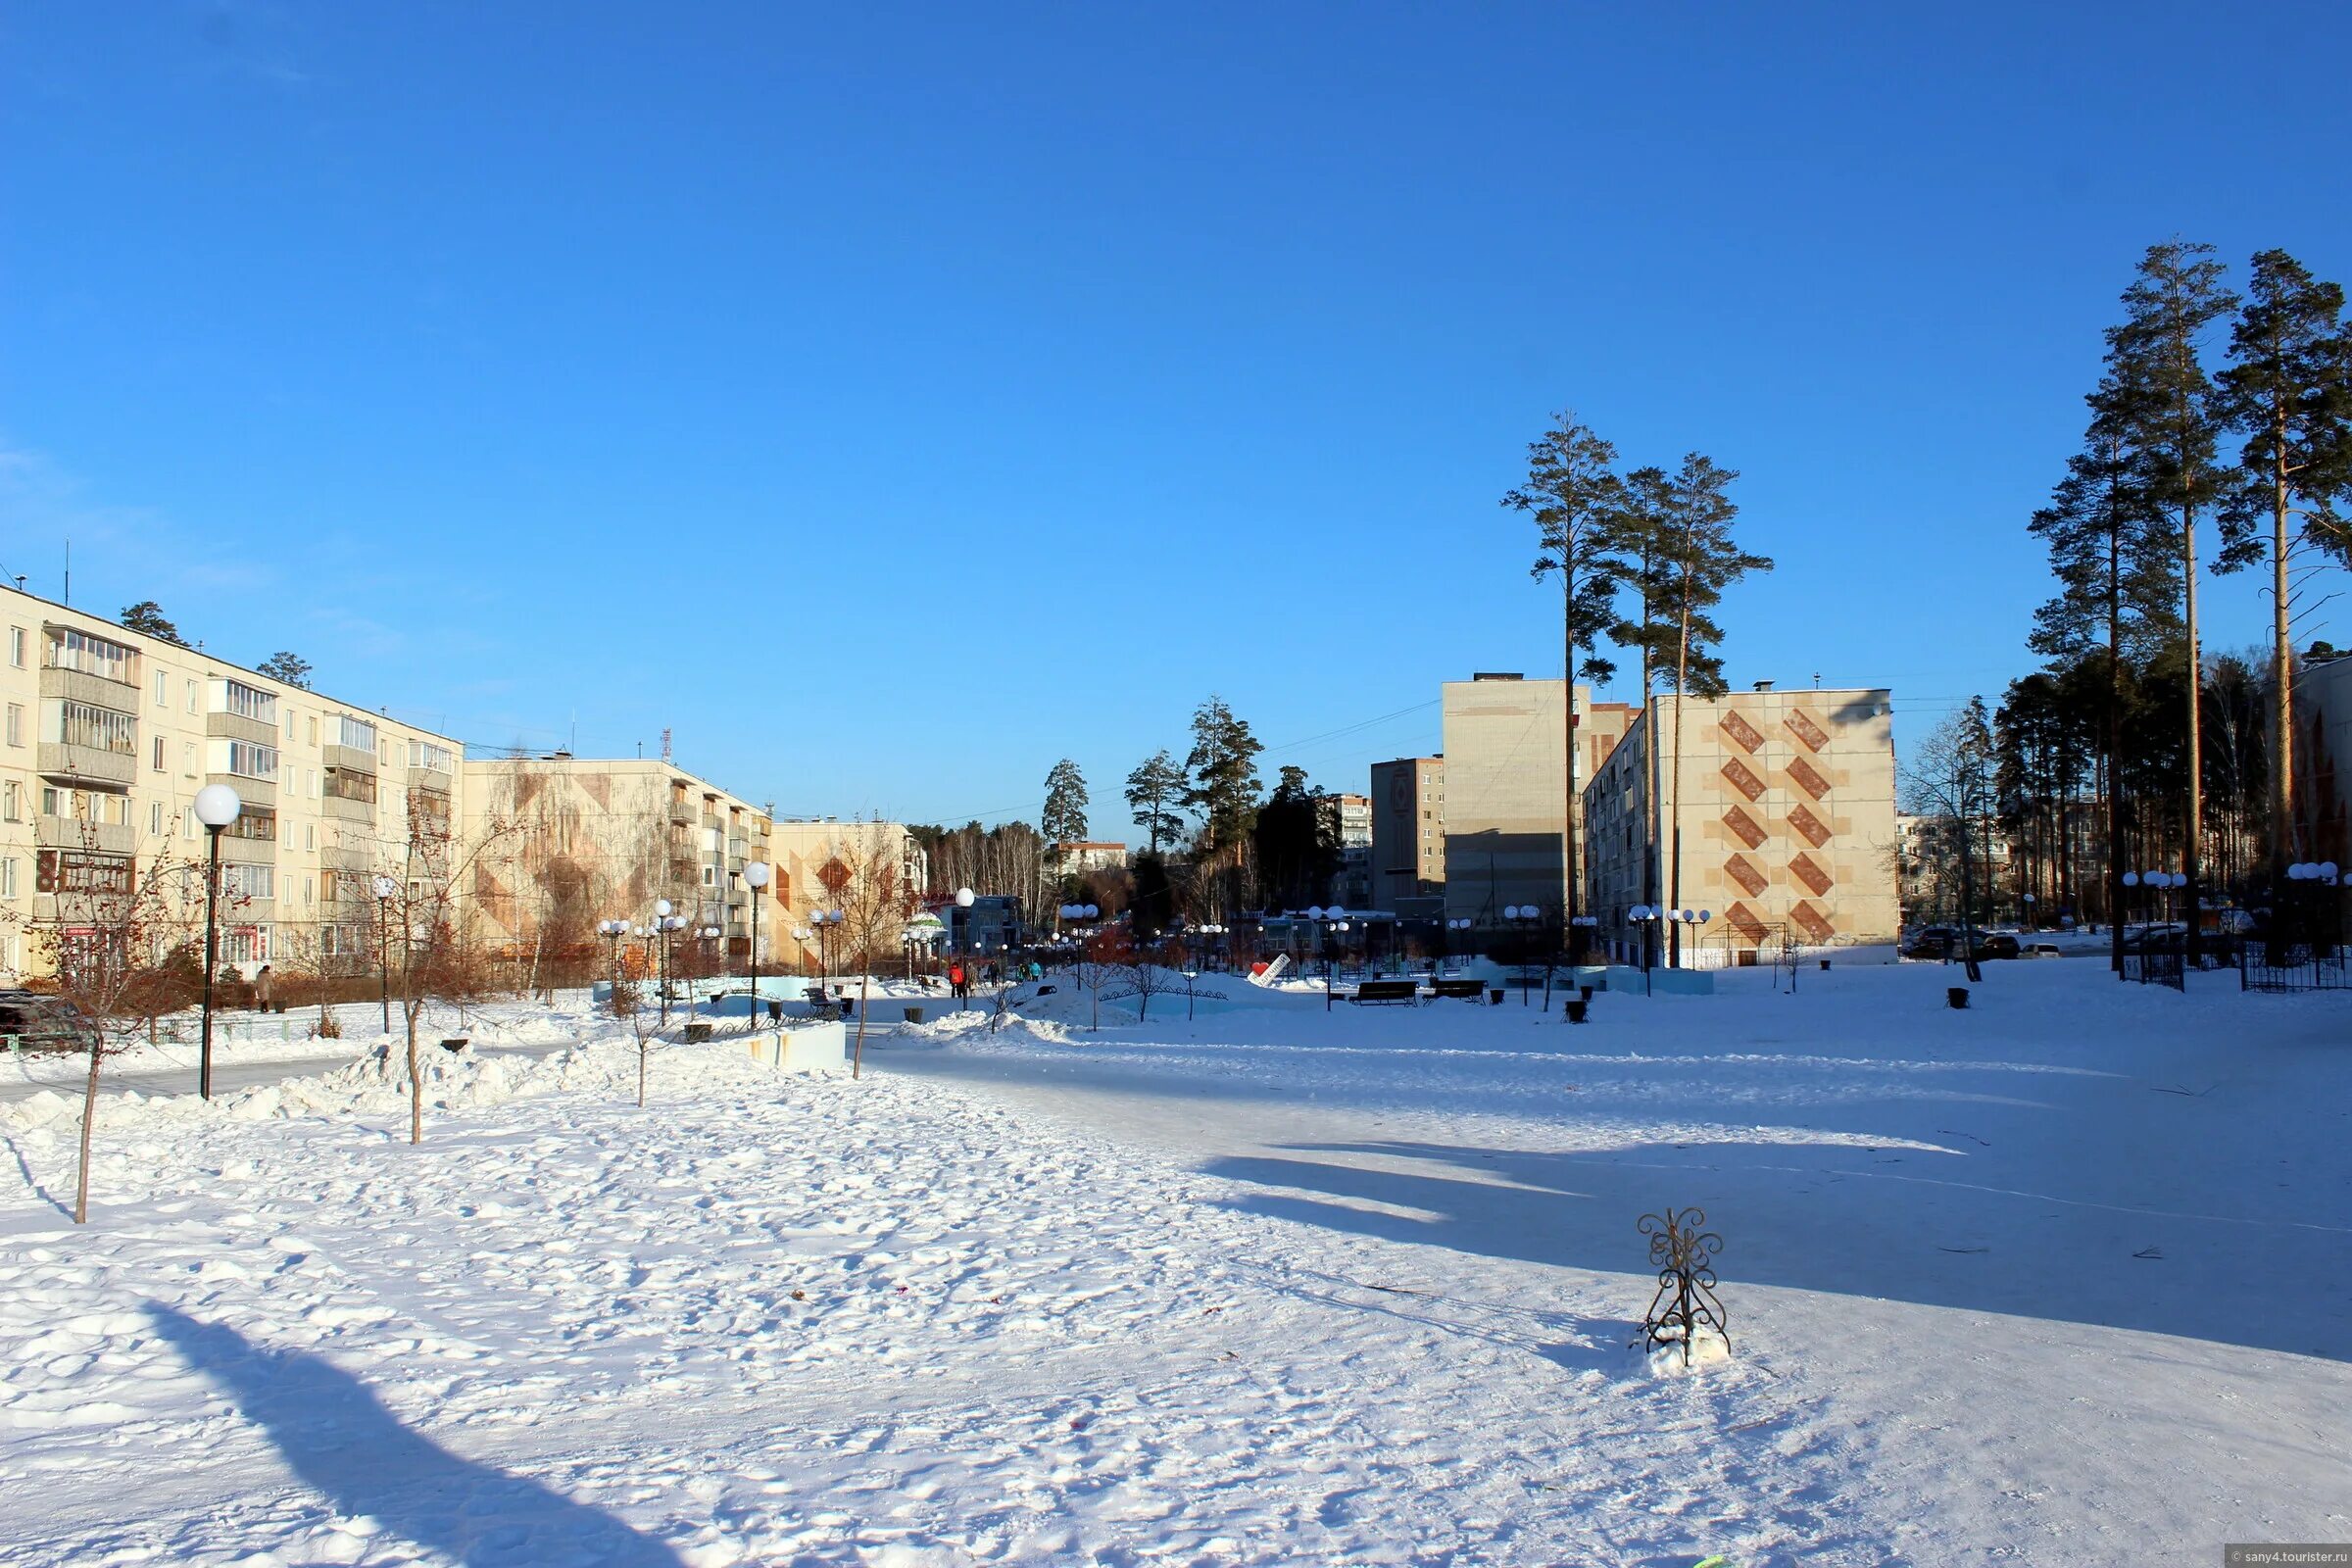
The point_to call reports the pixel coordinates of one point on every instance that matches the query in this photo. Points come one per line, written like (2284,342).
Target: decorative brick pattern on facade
(1740,733)
(1808,871)
(1742,778)
(1805,776)
(1743,827)
(1811,826)
(1816,925)
(1740,869)
(1807,729)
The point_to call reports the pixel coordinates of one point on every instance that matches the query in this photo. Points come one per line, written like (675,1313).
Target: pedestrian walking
(264,983)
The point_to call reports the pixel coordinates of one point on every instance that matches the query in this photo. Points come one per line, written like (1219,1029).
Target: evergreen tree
(1156,792)
(1697,559)
(1296,838)
(2171,426)
(1223,767)
(1572,495)
(147,617)
(1064,819)
(1155,894)
(292,668)
(2285,391)
(2112,552)
(1633,536)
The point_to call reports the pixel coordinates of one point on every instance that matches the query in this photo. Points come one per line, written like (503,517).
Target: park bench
(1469,990)
(1380,993)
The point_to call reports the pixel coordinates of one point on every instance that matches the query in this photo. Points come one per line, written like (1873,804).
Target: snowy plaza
(2058,1278)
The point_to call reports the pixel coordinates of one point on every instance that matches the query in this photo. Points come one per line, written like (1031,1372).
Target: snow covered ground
(2062,1278)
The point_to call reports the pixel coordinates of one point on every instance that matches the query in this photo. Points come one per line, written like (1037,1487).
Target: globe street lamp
(612,931)
(963,923)
(1333,927)
(386,890)
(1646,917)
(801,935)
(216,806)
(757,877)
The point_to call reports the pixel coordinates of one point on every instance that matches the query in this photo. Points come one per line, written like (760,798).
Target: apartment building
(1407,861)
(108,736)
(1506,788)
(804,850)
(1787,816)
(575,840)
(1348,818)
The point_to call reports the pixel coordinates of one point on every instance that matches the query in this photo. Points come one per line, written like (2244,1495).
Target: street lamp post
(612,931)
(385,891)
(1646,917)
(216,806)
(757,877)
(662,914)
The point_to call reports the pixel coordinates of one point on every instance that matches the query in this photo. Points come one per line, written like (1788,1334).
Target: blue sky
(891,400)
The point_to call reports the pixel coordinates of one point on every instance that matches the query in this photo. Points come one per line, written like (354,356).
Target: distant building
(1407,861)
(1081,855)
(1507,789)
(1785,819)
(1349,817)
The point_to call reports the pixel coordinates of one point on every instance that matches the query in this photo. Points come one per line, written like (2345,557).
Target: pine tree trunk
(1572,883)
(2193,830)
(2283,715)
(1674,877)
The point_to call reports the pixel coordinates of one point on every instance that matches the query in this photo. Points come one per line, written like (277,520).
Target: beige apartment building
(577,839)
(108,736)
(1506,788)
(1786,819)
(1409,834)
(806,848)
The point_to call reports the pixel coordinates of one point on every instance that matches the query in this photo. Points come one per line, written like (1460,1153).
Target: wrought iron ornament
(1685,1301)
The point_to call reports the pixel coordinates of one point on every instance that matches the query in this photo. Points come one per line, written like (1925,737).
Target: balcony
(354,757)
(86,765)
(682,814)
(73,833)
(81,686)
(711,819)
(436,779)
(237,727)
(338,808)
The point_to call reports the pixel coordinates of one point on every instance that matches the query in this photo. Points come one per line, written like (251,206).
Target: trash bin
(775,1013)
(1494,996)
(1957,996)
(1575,1010)
(1585,993)
(1825,963)
(453,1047)
(914,1016)
(696,1032)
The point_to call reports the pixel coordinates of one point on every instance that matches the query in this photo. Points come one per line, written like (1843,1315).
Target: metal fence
(2156,969)
(2292,966)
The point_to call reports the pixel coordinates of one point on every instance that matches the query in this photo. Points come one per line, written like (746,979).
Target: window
(79,871)
(162,688)
(350,784)
(249,881)
(355,733)
(187,758)
(12,801)
(249,701)
(92,656)
(191,697)
(7,879)
(16,646)
(312,721)
(16,723)
(310,835)
(155,818)
(97,729)
(53,799)
(248,761)
(432,759)
(245,944)
(253,825)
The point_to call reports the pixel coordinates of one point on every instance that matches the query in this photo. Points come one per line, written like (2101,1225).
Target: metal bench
(1383,993)
(1468,990)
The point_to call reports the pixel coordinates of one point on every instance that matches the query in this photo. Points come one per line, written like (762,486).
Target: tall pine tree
(2112,554)
(1156,793)
(2171,425)
(1063,820)
(1223,767)
(2285,391)
(1696,561)
(1571,493)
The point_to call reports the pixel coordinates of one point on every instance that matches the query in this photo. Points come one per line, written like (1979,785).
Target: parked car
(1996,945)
(40,1021)
(2044,950)
(1931,942)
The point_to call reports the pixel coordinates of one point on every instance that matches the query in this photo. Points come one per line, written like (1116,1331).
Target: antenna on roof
(665,743)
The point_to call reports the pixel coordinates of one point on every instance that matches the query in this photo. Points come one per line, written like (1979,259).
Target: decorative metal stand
(1686,1300)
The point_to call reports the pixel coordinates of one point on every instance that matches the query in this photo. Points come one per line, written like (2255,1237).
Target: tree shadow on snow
(1895,1223)
(341,1441)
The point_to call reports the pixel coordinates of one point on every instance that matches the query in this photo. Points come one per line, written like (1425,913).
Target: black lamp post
(757,876)
(385,889)
(216,806)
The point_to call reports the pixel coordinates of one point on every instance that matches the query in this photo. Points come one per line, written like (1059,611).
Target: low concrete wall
(1625,979)
(810,1048)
